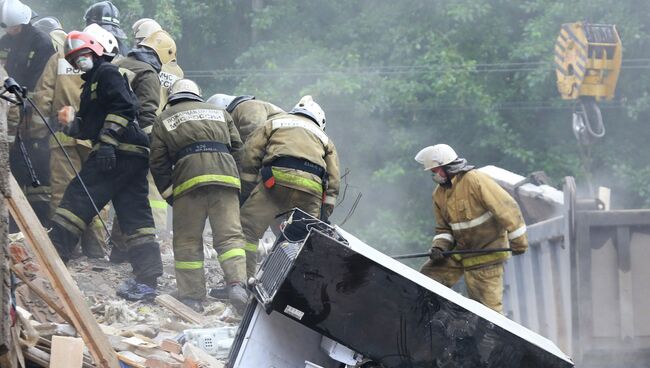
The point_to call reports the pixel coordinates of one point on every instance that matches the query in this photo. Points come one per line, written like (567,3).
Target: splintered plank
(180,309)
(64,286)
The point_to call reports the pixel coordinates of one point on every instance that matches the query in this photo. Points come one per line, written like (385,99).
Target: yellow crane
(587,64)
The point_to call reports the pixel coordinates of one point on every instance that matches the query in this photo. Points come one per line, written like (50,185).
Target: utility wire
(640,63)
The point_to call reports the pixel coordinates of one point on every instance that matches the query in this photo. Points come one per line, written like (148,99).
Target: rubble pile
(160,333)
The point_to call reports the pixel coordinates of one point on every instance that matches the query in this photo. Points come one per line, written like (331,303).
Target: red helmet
(78,43)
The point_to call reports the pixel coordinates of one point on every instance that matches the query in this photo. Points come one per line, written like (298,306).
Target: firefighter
(52,26)
(26,50)
(144,63)
(298,165)
(472,212)
(59,86)
(247,112)
(169,73)
(193,167)
(107,16)
(116,170)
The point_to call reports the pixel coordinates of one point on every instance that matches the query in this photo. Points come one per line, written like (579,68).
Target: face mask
(438,178)
(84,63)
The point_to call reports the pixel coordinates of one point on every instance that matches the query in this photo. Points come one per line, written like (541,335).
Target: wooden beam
(63,284)
(180,309)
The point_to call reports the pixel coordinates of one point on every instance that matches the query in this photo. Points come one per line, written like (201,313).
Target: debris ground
(143,333)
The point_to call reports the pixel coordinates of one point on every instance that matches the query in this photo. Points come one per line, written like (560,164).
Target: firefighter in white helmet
(472,213)
(247,112)
(298,166)
(191,161)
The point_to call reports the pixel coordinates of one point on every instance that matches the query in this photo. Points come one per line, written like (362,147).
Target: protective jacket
(249,113)
(59,85)
(169,73)
(191,147)
(297,137)
(145,84)
(107,111)
(476,213)
(26,54)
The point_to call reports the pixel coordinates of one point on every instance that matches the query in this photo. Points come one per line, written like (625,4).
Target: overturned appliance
(325,299)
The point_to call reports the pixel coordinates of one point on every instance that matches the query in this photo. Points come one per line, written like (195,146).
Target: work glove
(436,254)
(106,158)
(519,245)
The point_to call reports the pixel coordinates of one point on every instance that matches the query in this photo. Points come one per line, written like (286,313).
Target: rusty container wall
(585,284)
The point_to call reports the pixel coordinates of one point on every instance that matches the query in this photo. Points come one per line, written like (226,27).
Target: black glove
(106,159)
(170,200)
(435,254)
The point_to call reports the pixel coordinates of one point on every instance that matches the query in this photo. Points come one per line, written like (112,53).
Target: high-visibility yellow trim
(112,118)
(189,265)
(161,205)
(485,258)
(206,179)
(297,180)
(71,217)
(237,252)
(250,247)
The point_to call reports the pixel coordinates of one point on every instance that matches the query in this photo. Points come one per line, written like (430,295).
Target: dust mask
(438,178)
(84,63)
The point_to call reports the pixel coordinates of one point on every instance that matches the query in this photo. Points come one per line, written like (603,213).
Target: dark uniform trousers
(126,186)
(38,152)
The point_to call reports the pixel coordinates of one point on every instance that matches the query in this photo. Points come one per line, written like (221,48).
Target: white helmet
(144,27)
(435,156)
(48,24)
(104,37)
(221,101)
(308,107)
(184,89)
(14,13)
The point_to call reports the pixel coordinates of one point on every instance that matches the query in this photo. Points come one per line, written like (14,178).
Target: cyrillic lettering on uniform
(179,118)
(295,123)
(64,68)
(167,79)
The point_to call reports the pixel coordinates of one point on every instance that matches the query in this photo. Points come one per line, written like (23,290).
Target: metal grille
(275,270)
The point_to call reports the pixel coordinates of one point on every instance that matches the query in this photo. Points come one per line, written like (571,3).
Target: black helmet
(106,15)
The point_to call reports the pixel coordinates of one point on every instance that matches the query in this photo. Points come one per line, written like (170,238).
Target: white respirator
(84,63)
(439,179)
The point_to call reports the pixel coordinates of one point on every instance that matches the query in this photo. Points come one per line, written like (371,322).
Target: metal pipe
(452,252)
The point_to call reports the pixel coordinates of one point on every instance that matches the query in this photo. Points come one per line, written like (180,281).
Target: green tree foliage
(395,76)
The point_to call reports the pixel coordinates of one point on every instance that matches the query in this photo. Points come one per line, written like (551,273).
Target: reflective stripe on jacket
(476,213)
(180,125)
